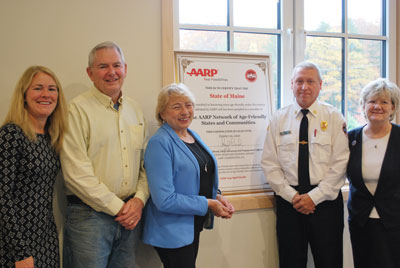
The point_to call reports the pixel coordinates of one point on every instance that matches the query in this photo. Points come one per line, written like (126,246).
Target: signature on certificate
(227,142)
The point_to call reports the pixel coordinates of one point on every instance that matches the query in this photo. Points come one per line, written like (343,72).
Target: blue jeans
(95,240)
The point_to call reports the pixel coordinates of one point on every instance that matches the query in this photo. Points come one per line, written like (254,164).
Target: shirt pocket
(321,148)
(137,136)
(287,150)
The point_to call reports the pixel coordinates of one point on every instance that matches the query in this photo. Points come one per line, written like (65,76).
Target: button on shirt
(102,155)
(328,151)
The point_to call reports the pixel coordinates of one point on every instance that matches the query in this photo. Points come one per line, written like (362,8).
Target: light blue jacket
(174,181)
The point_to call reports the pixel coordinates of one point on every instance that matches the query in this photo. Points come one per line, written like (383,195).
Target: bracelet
(219,191)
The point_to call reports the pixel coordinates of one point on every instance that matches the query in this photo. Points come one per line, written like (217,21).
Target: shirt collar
(314,109)
(104,99)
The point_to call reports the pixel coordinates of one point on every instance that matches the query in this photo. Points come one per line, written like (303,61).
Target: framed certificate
(233,104)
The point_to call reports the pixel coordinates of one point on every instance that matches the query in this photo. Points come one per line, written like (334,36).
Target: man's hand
(130,213)
(303,203)
(25,263)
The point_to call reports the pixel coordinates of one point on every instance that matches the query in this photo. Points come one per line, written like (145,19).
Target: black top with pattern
(27,175)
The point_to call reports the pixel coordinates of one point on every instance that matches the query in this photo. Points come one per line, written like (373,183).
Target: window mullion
(287,50)
(345,56)
(299,32)
(204,27)
(391,53)
(230,26)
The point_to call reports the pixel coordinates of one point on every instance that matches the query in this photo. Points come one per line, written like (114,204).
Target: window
(222,25)
(348,43)
(348,39)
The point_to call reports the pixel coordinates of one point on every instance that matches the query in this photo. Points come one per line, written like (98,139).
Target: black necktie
(303,165)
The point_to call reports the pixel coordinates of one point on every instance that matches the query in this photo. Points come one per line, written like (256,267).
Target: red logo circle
(251,75)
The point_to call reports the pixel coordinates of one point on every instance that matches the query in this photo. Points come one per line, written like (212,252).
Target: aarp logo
(203,72)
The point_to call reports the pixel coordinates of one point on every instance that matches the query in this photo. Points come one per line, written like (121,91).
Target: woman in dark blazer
(183,182)
(374,174)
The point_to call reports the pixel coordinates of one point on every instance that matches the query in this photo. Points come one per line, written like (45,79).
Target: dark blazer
(387,196)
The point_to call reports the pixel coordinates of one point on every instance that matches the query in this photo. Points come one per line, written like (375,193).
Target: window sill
(262,200)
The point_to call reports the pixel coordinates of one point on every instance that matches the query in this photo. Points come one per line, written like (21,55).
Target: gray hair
(107,44)
(379,87)
(174,90)
(307,65)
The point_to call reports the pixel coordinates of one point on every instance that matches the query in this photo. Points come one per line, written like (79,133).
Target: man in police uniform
(306,173)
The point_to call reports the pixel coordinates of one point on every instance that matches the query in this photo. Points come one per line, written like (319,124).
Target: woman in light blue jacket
(183,181)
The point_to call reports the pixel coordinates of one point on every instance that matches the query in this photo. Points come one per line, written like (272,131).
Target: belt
(73,199)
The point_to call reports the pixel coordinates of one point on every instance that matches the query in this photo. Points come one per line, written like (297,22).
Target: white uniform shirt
(103,150)
(328,151)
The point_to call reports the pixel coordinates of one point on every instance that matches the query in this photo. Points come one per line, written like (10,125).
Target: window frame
(291,41)
(388,37)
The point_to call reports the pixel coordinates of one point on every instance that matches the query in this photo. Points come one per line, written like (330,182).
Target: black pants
(184,257)
(374,246)
(323,230)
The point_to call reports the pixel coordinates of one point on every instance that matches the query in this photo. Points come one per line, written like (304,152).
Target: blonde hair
(18,114)
(176,90)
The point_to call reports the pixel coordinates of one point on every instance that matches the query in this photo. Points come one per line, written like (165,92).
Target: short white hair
(306,65)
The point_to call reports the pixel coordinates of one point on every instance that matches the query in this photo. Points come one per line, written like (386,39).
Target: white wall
(248,240)
(59,34)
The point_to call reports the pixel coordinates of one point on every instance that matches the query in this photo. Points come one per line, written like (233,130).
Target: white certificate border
(184,58)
